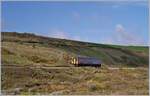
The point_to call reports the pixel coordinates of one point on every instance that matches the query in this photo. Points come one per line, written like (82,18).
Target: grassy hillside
(29,67)
(25,48)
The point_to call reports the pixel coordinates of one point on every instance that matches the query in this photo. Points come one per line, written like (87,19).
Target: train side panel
(86,61)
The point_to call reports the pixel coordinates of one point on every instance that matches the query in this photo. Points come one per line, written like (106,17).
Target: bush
(92,87)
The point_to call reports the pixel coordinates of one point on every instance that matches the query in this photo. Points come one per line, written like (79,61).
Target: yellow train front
(86,61)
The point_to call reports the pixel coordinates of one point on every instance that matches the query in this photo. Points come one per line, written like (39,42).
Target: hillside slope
(25,71)
(30,49)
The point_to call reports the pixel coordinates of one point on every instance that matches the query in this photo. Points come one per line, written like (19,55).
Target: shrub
(92,87)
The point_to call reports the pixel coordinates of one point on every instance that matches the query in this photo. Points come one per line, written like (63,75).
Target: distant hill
(31,49)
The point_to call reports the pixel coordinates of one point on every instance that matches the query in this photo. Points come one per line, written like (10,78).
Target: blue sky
(123,23)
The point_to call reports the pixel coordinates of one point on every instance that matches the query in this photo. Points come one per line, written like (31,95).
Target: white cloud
(58,34)
(108,41)
(124,37)
(119,28)
(77,38)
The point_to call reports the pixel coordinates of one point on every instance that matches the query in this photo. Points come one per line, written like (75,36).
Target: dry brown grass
(75,80)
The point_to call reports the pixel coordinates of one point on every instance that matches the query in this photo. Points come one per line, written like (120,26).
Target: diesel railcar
(86,61)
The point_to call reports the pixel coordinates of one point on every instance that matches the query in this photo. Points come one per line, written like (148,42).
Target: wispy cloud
(124,37)
(119,28)
(78,38)
(58,34)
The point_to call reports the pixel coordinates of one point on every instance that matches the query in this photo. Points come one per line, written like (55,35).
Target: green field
(34,64)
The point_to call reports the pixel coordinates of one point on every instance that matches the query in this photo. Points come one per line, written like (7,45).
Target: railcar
(86,61)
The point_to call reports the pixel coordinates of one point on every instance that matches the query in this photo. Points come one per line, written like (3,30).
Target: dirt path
(35,67)
(115,68)
(52,67)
